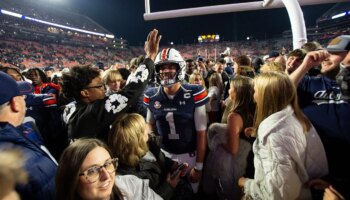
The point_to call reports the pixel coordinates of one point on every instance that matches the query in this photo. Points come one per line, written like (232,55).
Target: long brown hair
(67,176)
(243,102)
(275,91)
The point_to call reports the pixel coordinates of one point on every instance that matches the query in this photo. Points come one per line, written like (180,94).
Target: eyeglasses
(96,86)
(93,173)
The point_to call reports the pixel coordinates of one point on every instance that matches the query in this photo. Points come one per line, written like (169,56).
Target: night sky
(124,18)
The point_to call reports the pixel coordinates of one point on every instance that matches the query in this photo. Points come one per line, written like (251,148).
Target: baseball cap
(339,44)
(9,88)
(199,59)
(48,69)
(273,54)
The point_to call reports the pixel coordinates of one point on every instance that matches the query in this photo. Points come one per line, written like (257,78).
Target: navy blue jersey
(175,117)
(321,100)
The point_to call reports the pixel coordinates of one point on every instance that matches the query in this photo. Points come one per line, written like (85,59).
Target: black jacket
(155,171)
(93,120)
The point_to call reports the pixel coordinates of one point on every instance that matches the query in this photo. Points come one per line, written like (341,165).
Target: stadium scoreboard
(208,38)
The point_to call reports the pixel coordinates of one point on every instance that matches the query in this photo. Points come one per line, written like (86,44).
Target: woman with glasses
(87,171)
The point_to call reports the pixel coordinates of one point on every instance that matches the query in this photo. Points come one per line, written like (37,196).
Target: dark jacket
(153,170)
(93,120)
(40,167)
(43,109)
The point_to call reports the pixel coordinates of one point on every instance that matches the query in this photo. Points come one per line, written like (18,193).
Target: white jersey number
(170,119)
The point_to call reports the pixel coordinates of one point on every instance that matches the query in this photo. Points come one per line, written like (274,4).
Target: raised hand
(152,44)
(314,58)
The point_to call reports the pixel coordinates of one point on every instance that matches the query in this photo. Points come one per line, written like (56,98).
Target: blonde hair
(11,171)
(192,78)
(275,92)
(126,138)
(111,75)
(271,66)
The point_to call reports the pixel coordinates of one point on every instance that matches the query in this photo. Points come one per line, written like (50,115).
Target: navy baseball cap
(9,88)
(49,69)
(339,44)
(273,54)
(199,59)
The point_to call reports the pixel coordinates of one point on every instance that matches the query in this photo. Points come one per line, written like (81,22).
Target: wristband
(198,166)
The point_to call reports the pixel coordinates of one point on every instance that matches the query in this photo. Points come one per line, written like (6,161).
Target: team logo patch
(157,105)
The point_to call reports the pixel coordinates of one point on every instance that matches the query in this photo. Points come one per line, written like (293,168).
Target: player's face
(167,71)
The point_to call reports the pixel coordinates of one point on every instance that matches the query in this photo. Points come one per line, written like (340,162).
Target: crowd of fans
(242,113)
(228,120)
(27,54)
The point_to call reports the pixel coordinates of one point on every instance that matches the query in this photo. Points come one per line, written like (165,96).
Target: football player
(177,113)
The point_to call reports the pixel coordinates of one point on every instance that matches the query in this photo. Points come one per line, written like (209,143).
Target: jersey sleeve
(148,94)
(200,96)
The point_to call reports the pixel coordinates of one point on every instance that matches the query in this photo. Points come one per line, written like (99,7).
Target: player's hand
(152,44)
(195,175)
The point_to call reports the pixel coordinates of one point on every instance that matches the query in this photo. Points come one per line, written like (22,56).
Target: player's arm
(200,120)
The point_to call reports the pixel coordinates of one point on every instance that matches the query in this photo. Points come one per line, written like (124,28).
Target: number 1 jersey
(174,117)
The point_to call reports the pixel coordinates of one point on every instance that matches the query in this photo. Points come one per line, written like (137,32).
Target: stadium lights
(6,12)
(62,26)
(339,15)
(109,36)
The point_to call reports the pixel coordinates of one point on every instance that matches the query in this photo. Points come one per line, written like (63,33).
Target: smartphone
(178,169)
